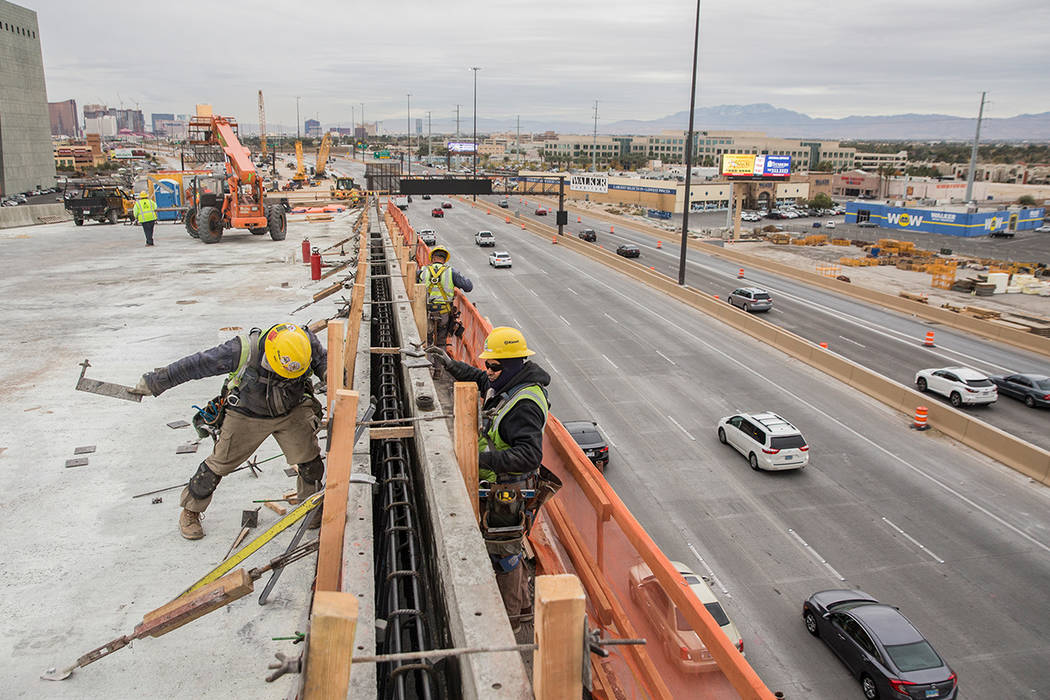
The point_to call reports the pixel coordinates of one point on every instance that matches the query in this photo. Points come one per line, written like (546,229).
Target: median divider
(1022,456)
(987,329)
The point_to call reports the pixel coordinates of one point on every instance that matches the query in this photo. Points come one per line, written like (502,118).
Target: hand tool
(94,386)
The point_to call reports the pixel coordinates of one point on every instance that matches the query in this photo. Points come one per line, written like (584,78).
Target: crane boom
(300,173)
(322,155)
(262,125)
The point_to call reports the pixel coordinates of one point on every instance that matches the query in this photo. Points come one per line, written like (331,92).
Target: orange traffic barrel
(929,339)
(508,219)
(523,227)
(612,229)
(554,240)
(578,220)
(659,245)
(920,418)
(740,275)
(487,212)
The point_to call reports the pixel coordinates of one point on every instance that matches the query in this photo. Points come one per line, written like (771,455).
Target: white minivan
(768,441)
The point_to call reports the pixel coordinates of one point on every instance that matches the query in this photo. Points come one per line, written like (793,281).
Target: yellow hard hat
(440,249)
(143,194)
(503,343)
(288,350)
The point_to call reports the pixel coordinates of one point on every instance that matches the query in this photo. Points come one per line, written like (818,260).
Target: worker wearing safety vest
(441,281)
(145,213)
(269,391)
(510,444)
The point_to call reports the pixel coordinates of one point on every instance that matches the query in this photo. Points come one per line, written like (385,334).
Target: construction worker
(145,212)
(510,444)
(268,392)
(441,280)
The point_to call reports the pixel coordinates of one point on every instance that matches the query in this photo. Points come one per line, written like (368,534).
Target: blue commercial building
(944,221)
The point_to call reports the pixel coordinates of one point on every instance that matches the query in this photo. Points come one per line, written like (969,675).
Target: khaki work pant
(241,436)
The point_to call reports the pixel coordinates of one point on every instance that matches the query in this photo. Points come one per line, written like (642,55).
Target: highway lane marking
(710,571)
(564,319)
(681,428)
(850,340)
(914,541)
(610,362)
(816,555)
(573,291)
(752,372)
(610,318)
(667,358)
(532,291)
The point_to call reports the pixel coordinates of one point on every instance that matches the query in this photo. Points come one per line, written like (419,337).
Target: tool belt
(207,421)
(509,508)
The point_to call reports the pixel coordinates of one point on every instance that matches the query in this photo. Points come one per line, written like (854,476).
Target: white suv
(960,384)
(427,235)
(767,440)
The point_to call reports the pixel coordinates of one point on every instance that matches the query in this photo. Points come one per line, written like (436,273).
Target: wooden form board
(187,608)
(394,433)
(560,608)
(465,430)
(333,522)
(357,305)
(336,333)
(333,623)
(419,310)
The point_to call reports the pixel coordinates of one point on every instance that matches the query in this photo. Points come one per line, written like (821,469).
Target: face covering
(511,367)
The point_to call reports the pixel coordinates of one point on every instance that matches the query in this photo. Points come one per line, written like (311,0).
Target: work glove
(438,357)
(142,388)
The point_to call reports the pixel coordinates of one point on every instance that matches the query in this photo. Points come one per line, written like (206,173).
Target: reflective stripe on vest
(247,344)
(440,288)
(146,210)
(531,392)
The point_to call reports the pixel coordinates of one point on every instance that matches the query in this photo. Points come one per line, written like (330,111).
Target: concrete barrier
(1022,456)
(1012,336)
(32,214)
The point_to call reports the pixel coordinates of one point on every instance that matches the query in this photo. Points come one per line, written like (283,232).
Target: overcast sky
(546,58)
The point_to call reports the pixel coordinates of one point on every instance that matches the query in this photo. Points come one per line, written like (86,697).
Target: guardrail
(1022,456)
(987,329)
(602,543)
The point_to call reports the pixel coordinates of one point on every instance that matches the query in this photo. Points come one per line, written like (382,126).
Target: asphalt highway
(959,542)
(887,342)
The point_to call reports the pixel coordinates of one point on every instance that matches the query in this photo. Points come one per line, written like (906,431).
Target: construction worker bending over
(510,443)
(145,212)
(268,392)
(441,280)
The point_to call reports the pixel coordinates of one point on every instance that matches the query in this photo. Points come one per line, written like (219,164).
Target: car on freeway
(1043,229)
(879,646)
(1033,389)
(751,299)
(427,235)
(829,224)
(588,234)
(446,204)
(426,196)
(629,250)
(961,385)
(503,204)
(590,439)
(680,643)
(541,211)
(484,239)
(768,441)
(867,224)
(499,258)
(437,213)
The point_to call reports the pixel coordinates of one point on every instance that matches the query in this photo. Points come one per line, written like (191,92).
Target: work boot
(190,525)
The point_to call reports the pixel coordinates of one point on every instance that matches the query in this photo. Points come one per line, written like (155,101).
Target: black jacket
(521,428)
(223,359)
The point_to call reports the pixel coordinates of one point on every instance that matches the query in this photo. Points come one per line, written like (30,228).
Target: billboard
(589,183)
(461,147)
(750,165)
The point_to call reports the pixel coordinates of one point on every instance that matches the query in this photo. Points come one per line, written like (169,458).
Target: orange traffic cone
(659,245)
(716,296)
(554,240)
(523,227)
(578,220)
(508,219)
(824,345)
(612,229)
(920,418)
(929,340)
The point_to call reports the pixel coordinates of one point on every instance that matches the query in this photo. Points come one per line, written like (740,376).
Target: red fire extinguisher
(306,251)
(315,265)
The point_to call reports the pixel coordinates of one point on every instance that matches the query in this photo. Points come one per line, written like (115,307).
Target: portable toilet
(168,195)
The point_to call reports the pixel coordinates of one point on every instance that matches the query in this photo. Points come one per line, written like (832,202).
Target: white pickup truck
(401,203)
(484,239)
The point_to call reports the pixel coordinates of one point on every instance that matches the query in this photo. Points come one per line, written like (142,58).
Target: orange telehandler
(236,200)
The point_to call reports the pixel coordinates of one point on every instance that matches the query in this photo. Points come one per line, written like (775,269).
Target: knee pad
(203,483)
(313,470)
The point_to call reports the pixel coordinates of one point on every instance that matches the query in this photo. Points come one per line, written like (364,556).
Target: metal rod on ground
(252,464)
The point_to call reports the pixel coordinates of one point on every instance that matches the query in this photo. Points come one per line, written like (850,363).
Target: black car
(879,646)
(590,439)
(628,250)
(1033,389)
(426,196)
(588,234)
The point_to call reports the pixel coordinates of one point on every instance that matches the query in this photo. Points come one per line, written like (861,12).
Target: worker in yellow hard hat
(510,444)
(268,391)
(145,213)
(441,281)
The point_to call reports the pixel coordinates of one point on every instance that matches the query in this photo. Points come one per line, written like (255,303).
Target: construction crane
(322,155)
(300,172)
(262,125)
(238,200)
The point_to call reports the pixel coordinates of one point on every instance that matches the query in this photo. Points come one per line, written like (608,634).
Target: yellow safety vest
(145,210)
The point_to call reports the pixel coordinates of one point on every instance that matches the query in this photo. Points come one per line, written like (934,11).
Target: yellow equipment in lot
(300,171)
(344,189)
(322,156)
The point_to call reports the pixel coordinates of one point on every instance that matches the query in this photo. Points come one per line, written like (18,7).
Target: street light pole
(689,154)
(297,98)
(475,69)
(409,122)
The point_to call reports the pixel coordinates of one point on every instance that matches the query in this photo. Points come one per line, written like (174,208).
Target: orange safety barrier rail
(600,541)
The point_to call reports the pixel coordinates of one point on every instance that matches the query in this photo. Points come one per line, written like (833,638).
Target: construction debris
(86,449)
(77,462)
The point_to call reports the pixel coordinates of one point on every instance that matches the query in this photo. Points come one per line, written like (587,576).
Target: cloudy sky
(546,58)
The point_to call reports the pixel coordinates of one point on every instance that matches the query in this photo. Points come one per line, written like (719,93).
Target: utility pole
(475,69)
(594,144)
(689,155)
(517,141)
(430,140)
(409,124)
(456,160)
(973,153)
(353,133)
(297,98)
